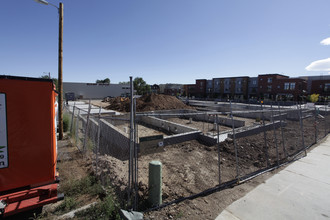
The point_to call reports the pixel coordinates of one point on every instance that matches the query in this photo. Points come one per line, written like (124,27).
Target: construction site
(153,156)
(204,147)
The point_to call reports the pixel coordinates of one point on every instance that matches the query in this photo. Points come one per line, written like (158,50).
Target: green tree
(106,80)
(54,79)
(141,86)
(314,97)
(123,83)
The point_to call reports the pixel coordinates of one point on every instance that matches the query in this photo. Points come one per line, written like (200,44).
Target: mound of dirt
(149,102)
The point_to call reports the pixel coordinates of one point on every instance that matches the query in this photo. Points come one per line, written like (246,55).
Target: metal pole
(135,160)
(74,106)
(301,128)
(234,135)
(282,133)
(277,156)
(86,128)
(98,141)
(325,119)
(60,71)
(77,127)
(315,121)
(131,145)
(265,138)
(218,144)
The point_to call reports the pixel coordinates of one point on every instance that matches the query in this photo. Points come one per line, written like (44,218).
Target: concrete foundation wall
(113,141)
(179,138)
(221,120)
(256,130)
(166,125)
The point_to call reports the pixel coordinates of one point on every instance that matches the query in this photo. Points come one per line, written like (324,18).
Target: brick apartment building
(265,86)
(200,89)
(321,87)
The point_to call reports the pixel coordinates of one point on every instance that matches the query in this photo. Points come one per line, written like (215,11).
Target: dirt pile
(149,102)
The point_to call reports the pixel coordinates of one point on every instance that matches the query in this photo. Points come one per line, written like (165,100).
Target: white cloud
(326,41)
(319,65)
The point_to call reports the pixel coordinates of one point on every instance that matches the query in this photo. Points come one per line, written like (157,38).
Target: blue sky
(166,41)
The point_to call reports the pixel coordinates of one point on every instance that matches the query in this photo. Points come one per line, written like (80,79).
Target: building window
(269,88)
(260,87)
(292,86)
(269,80)
(239,82)
(326,87)
(278,87)
(254,82)
(286,86)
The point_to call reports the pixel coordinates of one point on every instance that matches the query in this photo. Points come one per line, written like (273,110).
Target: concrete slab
(300,191)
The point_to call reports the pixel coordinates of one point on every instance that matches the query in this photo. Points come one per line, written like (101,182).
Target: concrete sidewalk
(300,191)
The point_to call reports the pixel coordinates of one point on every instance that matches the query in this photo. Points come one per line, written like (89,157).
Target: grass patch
(86,185)
(68,204)
(106,209)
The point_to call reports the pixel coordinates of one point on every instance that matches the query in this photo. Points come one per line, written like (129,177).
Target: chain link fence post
(86,127)
(264,131)
(301,127)
(77,128)
(72,117)
(275,137)
(218,145)
(282,133)
(234,136)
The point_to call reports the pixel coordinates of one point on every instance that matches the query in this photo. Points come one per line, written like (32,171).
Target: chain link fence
(201,151)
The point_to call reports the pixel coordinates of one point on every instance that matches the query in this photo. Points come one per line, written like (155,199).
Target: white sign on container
(3,132)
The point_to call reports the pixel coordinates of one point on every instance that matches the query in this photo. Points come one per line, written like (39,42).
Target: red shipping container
(27,132)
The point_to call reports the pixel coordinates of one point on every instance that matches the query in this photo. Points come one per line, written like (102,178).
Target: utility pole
(60,71)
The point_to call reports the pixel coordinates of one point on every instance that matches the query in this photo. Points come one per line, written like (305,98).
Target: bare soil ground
(191,167)
(149,102)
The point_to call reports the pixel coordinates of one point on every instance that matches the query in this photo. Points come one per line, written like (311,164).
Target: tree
(47,77)
(141,86)
(106,80)
(314,97)
(121,83)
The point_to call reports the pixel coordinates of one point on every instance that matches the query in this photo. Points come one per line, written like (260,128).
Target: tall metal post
(86,127)
(218,145)
(74,106)
(131,144)
(234,135)
(265,138)
(277,156)
(315,125)
(98,141)
(282,133)
(301,128)
(60,71)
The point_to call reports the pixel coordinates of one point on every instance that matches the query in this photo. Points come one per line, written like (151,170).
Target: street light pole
(60,64)
(60,71)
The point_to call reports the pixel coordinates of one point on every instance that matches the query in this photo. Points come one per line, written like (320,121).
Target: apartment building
(265,86)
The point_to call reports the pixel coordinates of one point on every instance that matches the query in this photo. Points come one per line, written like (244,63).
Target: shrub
(66,122)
